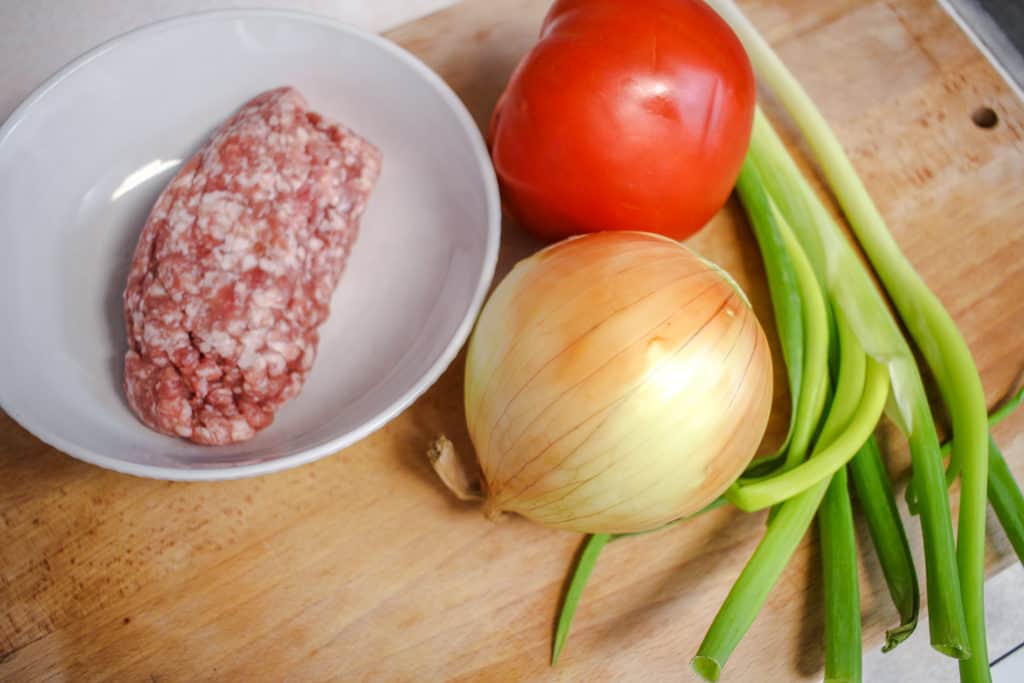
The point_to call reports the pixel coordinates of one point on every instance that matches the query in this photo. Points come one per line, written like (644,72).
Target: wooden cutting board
(360,567)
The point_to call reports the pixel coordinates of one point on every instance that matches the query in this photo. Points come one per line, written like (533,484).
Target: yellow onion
(615,382)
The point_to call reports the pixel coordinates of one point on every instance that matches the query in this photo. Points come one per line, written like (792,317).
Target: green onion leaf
(588,559)
(842,590)
(787,304)
(852,292)
(877,503)
(592,548)
(929,324)
(1006,498)
(1007,406)
(831,458)
(794,288)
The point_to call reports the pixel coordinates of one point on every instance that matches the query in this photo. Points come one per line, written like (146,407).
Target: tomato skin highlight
(624,116)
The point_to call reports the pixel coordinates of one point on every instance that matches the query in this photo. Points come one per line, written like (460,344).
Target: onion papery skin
(615,382)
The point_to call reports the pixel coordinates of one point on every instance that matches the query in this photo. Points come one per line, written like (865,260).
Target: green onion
(1006,498)
(790,285)
(791,202)
(852,371)
(588,559)
(816,341)
(785,529)
(853,293)
(787,305)
(878,505)
(830,459)
(929,324)
(798,298)
(842,591)
(1007,406)
(799,302)
(585,564)
(751,589)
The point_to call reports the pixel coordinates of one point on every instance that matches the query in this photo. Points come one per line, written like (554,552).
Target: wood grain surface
(360,568)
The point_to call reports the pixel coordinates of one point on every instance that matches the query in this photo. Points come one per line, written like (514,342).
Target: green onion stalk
(853,294)
(842,590)
(1004,493)
(929,324)
(889,538)
(1006,498)
(858,401)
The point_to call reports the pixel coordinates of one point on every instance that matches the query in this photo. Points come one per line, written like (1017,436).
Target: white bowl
(84,158)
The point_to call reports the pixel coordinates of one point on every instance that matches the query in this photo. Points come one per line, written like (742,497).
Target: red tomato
(625,116)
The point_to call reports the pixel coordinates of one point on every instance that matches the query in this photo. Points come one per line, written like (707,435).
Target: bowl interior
(82,163)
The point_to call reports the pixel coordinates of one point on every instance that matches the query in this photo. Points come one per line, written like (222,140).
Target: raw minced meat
(235,267)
